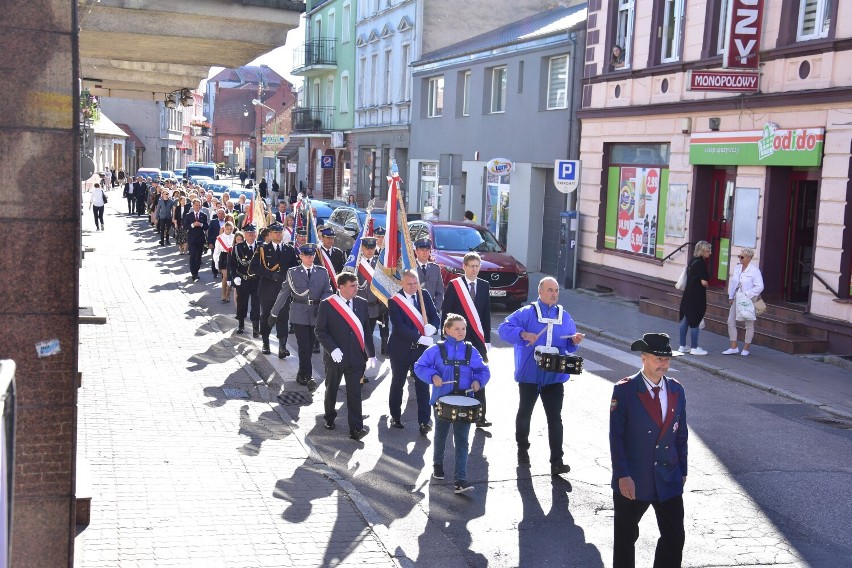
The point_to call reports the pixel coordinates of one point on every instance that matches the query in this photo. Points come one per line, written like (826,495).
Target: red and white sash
(469,307)
(329,267)
(408,309)
(366,270)
(339,305)
(225,247)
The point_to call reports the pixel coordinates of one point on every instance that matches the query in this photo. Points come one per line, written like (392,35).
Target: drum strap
(456,363)
(549,321)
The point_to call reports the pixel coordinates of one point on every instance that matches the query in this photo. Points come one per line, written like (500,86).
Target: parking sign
(566,175)
(327,162)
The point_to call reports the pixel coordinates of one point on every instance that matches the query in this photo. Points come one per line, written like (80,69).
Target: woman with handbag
(693,303)
(748,280)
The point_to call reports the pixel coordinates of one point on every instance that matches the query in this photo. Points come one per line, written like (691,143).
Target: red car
(451,241)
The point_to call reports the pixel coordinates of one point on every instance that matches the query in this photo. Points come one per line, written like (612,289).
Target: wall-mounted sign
(744,22)
(337,139)
(771,146)
(274,139)
(566,175)
(728,81)
(327,162)
(499,166)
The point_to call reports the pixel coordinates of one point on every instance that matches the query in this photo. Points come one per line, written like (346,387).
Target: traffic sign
(566,175)
(327,162)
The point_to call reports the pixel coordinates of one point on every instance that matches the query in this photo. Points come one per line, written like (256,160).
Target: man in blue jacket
(647,441)
(546,327)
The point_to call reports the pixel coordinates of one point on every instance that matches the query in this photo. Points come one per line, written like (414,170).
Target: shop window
(435,105)
(814,19)
(557,83)
(621,49)
(636,192)
(672,30)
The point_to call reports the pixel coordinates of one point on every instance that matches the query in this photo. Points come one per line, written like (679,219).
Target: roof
(228,113)
(249,74)
(130,134)
(105,127)
(550,22)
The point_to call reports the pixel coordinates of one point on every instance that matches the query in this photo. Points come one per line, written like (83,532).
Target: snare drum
(556,363)
(457,408)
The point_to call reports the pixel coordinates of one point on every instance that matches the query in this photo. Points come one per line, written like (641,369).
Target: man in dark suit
(461,293)
(429,272)
(140,191)
(130,194)
(342,328)
(213,231)
(281,212)
(409,338)
(271,264)
(195,223)
(244,280)
(648,444)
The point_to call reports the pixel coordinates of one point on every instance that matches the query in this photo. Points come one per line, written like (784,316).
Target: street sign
(274,139)
(327,162)
(566,175)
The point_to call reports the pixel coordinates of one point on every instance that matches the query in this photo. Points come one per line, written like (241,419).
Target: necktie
(348,304)
(472,287)
(422,272)
(416,303)
(657,402)
(196,216)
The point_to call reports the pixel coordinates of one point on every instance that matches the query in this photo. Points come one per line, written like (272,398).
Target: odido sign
(771,146)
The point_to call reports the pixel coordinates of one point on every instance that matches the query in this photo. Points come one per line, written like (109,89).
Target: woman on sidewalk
(693,304)
(181,209)
(748,278)
(221,250)
(97,202)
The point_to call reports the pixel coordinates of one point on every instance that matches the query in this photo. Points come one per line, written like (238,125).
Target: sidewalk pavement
(800,378)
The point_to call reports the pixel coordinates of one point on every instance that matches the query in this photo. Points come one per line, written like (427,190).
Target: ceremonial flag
(355,254)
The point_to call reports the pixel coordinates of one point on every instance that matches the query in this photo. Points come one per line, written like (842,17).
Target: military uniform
(430,276)
(271,264)
(245,282)
(306,287)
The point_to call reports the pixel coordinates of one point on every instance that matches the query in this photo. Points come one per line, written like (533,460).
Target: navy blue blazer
(482,301)
(402,342)
(334,332)
(651,451)
(195,234)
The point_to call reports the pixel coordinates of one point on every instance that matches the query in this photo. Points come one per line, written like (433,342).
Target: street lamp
(258,168)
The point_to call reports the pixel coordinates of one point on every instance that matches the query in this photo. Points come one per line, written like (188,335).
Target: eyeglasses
(741,257)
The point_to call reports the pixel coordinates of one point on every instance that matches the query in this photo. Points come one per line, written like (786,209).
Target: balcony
(313,120)
(315,55)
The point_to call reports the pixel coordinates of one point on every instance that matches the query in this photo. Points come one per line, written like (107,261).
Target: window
(228,147)
(344,93)
(374,71)
(435,106)
(623,47)
(672,24)
(345,32)
(318,28)
(722,37)
(362,72)
(466,94)
(388,77)
(329,92)
(557,83)
(814,19)
(315,93)
(331,30)
(499,77)
(405,75)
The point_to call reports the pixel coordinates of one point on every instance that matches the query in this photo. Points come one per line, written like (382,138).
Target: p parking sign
(327,162)
(566,175)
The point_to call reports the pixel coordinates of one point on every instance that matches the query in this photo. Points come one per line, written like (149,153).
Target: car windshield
(379,219)
(463,239)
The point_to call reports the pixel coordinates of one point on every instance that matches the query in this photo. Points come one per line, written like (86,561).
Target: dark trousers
(98,212)
(267,293)
(196,250)
(163,226)
(400,367)
(140,207)
(305,338)
(131,201)
(551,400)
(371,328)
(352,372)
(480,394)
(384,329)
(247,292)
(669,520)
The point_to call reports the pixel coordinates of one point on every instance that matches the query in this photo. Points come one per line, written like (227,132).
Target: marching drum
(554,362)
(457,408)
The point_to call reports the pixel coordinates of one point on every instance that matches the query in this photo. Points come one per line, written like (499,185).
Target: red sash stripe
(225,247)
(469,308)
(408,310)
(337,303)
(326,262)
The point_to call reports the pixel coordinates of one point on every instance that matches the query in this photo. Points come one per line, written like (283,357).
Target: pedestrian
(693,303)
(410,336)
(263,188)
(543,327)
(140,191)
(340,325)
(113,178)
(97,203)
(470,296)
(350,201)
(308,285)
(121,176)
(182,208)
(749,280)
(271,264)
(243,176)
(244,280)
(196,224)
(648,445)
(221,252)
(428,271)
(107,178)
(129,193)
(289,228)
(164,214)
(275,191)
(213,231)
(469,217)
(281,212)
(452,367)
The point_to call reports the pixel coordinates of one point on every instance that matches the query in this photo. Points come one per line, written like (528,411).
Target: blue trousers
(461,431)
(693,334)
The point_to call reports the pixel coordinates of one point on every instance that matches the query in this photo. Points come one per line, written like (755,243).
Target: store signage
(744,22)
(274,139)
(771,146)
(727,81)
(499,167)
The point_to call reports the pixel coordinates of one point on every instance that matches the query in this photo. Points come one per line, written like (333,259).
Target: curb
(727,375)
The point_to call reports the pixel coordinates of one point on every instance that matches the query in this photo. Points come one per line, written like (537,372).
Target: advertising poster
(676,210)
(638,210)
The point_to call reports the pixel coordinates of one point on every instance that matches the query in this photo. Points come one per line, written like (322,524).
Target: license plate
(498,293)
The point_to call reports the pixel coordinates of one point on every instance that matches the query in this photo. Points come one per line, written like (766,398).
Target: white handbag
(681,281)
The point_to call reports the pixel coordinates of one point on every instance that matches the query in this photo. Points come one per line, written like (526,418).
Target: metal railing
(675,251)
(314,52)
(313,119)
(810,270)
(292,5)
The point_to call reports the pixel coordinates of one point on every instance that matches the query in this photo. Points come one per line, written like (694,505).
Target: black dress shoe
(559,468)
(357,434)
(282,351)
(483,423)
(425,429)
(397,424)
(266,350)
(311,384)
(300,380)
(329,425)
(255,331)
(241,330)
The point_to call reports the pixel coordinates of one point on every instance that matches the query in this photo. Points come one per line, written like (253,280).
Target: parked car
(201,180)
(201,169)
(167,175)
(180,173)
(347,222)
(451,241)
(148,173)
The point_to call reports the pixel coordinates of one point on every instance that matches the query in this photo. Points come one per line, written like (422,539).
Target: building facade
(506,95)
(677,149)
(110,141)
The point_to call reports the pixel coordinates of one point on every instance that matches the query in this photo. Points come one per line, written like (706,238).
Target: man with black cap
(271,264)
(244,280)
(541,327)
(384,322)
(648,444)
(429,272)
(333,255)
(307,285)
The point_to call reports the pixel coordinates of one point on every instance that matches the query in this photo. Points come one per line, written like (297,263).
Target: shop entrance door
(719,224)
(801,221)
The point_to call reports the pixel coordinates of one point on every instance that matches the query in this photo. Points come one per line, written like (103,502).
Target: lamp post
(259,158)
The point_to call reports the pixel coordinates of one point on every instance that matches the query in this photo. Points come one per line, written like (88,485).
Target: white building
(109,144)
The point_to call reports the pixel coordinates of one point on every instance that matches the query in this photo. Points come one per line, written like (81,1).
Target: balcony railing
(313,119)
(315,53)
(293,5)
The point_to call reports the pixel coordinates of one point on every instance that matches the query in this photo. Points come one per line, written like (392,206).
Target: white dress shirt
(664,397)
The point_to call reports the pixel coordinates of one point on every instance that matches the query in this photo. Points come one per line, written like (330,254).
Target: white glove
(337,355)
(238,281)
(487,347)
(427,341)
(429,329)
(372,363)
